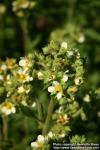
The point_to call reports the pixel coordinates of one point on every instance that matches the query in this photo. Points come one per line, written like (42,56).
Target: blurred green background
(24,30)
(75,21)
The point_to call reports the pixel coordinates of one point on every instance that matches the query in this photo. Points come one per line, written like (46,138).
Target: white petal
(65,117)
(8,112)
(34,104)
(22,63)
(41,138)
(81,38)
(62,135)
(87,98)
(34,144)
(31,78)
(25,5)
(3,67)
(69,53)
(65,78)
(55,83)
(24,103)
(28,78)
(1,77)
(40,74)
(98,113)
(50,134)
(64,45)
(5,111)
(21,89)
(13,110)
(59,95)
(51,89)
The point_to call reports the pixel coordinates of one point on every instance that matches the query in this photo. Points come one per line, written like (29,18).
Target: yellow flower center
(40,144)
(72,89)
(58,89)
(62,119)
(22,77)
(8,105)
(10,63)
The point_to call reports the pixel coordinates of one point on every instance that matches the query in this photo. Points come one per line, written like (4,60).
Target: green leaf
(92,34)
(28,111)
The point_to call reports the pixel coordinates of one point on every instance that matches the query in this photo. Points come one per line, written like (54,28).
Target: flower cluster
(15,81)
(53,77)
(19,6)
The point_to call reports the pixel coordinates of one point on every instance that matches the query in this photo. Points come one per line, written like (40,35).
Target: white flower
(25,5)
(50,135)
(62,135)
(3,67)
(64,45)
(21,89)
(8,108)
(41,138)
(65,78)
(23,76)
(98,113)
(40,75)
(2,9)
(63,119)
(32,4)
(20,4)
(78,80)
(34,144)
(81,38)
(24,103)
(56,89)
(70,53)
(87,98)
(39,142)
(8,77)
(24,62)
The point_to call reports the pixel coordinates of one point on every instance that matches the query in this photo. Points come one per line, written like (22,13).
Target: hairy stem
(48,118)
(40,112)
(25,36)
(5,128)
(70,14)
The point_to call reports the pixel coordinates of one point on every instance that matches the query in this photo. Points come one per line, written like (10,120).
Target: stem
(25,36)
(70,14)
(0,134)
(40,113)
(5,128)
(48,119)
(77,113)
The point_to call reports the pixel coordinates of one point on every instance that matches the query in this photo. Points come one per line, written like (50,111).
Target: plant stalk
(5,128)
(48,118)
(25,36)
